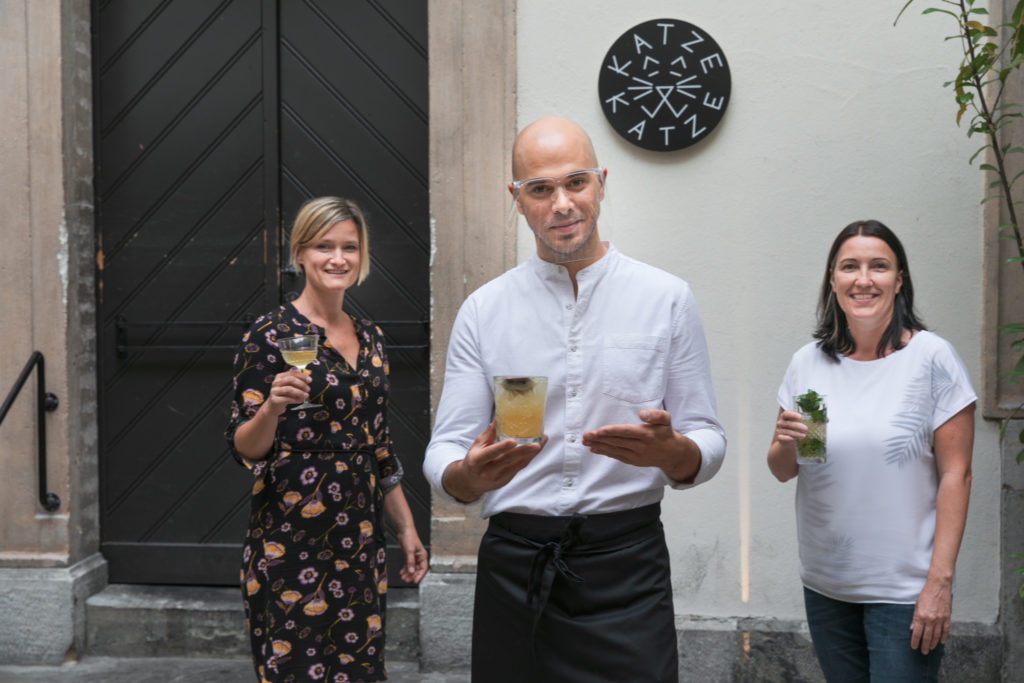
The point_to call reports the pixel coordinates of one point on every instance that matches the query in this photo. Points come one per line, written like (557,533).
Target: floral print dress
(313,574)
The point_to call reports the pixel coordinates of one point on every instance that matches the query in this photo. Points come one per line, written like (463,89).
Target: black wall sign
(664,85)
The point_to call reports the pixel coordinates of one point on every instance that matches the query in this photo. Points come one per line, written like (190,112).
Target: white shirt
(631,339)
(866,518)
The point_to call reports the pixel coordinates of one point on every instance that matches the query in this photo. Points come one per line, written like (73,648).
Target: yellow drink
(519,407)
(299,351)
(299,359)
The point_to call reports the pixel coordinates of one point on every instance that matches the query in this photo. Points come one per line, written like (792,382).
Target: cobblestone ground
(117,670)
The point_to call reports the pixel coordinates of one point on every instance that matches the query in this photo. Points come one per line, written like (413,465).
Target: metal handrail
(45,402)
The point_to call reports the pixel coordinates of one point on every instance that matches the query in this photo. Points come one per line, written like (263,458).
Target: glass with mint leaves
(811,449)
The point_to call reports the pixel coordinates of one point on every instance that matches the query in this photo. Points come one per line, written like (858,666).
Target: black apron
(581,598)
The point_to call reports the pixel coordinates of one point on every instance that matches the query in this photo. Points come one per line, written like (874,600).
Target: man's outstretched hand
(488,465)
(654,443)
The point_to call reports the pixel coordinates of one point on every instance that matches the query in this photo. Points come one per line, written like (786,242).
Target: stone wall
(48,560)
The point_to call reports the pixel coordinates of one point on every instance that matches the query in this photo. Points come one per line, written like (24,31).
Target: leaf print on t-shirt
(943,382)
(818,510)
(819,537)
(913,437)
(841,549)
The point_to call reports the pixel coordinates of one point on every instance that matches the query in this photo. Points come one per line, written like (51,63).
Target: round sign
(664,85)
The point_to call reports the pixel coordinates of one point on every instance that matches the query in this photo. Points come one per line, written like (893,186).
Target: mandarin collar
(554,271)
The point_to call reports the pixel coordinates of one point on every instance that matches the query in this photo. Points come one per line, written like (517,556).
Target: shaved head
(563,216)
(547,139)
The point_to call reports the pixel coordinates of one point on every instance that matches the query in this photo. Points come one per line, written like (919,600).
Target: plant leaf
(931,10)
(902,10)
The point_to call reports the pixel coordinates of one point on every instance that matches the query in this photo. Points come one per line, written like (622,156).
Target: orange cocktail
(519,407)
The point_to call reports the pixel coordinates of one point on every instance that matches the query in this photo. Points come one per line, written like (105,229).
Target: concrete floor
(166,670)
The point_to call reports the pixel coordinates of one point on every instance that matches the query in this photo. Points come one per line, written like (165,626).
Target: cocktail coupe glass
(298,352)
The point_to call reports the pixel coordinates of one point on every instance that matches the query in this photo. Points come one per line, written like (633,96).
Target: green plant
(989,58)
(991,54)
(810,403)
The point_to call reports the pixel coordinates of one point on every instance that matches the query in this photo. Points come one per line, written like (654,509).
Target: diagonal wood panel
(354,123)
(180,193)
(214,118)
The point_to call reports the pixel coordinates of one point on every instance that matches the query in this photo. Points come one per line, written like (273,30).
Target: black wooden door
(214,121)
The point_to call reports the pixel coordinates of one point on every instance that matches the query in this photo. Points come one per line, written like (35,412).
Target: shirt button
(569,482)
(568,307)
(573,348)
(571,438)
(572,393)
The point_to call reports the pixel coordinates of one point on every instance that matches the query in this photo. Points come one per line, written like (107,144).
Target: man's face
(562,206)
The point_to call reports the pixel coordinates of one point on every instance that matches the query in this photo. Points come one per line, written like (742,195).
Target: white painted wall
(835,116)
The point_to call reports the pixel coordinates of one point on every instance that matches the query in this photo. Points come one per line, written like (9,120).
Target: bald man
(573,579)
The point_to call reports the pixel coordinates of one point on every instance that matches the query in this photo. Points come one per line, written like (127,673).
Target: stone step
(194,621)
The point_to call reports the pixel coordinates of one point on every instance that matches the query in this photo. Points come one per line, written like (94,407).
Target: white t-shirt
(866,518)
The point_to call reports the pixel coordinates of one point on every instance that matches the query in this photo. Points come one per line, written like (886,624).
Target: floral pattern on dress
(313,576)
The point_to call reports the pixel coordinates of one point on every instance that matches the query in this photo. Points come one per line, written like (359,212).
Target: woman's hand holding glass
(790,427)
(299,351)
(288,388)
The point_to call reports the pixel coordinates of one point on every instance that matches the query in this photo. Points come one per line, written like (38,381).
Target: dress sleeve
(255,364)
(389,466)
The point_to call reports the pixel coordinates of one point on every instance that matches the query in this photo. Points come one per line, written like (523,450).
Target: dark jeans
(867,642)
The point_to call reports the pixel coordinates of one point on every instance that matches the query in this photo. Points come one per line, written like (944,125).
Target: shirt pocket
(633,367)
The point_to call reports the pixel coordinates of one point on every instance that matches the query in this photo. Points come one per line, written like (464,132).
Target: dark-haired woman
(880,522)
(314,578)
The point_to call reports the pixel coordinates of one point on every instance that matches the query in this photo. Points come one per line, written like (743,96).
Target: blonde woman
(314,577)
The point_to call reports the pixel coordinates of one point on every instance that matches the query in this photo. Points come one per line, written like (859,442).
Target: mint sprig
(812,403)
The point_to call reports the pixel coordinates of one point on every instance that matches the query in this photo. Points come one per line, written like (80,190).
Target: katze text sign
(664,85)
